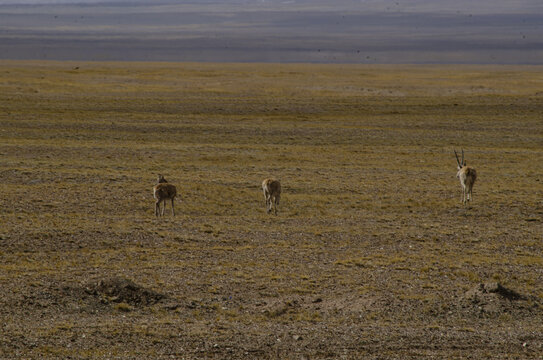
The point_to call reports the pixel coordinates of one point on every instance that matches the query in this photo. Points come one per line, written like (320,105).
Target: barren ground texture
(372,254)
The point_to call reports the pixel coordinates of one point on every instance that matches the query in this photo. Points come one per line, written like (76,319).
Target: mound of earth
(282,307)
(121,290)
(494,290)
(492,298)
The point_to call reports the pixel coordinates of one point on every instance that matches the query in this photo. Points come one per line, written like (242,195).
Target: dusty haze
(493,32)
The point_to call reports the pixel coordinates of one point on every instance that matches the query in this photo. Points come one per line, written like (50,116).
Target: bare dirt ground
(372,254)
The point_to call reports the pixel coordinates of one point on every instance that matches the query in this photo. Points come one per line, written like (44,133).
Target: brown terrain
(371,255)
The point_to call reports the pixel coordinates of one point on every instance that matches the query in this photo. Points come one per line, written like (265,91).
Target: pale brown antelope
(467,176)
(272,194)
(163,191)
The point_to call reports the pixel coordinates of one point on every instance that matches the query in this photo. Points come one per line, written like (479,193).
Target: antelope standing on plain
(467,176)
(163,191)
(272,194)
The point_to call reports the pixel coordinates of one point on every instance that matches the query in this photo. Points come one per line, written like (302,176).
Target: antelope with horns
(163,191)
(272,194)
(467,176)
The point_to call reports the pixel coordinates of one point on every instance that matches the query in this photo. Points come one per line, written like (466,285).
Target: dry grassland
(372,254)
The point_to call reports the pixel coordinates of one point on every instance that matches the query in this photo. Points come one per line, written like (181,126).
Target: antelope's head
(161,179)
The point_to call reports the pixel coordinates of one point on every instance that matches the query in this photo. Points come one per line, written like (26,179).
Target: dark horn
(457,160)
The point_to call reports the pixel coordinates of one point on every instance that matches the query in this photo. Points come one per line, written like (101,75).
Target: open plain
(372,254)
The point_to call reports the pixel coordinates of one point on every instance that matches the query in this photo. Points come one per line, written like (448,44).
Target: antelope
(467,176)
(272,194)
(163,191)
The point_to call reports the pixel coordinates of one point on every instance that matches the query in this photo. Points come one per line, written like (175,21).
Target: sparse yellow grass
(370,204)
